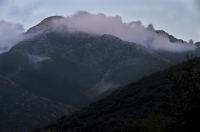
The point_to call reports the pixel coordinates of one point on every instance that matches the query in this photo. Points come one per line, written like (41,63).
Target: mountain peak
(44,24)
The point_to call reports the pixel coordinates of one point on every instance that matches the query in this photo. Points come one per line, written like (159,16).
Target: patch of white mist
(37,58)
(103,86)
(10,34)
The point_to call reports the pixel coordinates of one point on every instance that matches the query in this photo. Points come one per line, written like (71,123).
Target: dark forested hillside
(136,100)
(21,110)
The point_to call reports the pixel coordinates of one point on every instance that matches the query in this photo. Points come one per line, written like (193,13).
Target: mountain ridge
(48,22)
(44,24)
(67,68)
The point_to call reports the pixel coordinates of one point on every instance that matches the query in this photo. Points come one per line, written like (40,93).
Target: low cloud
(37,58)
(99,24)
(10,34)
(133,31)
(103,86)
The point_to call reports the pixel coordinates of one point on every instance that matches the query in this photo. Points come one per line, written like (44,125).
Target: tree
(191,41)
(182,103)
(151,27)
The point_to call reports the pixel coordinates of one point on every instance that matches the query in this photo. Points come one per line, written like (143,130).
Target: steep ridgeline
(51,24)
(23,111)
(74,67)
(177,57)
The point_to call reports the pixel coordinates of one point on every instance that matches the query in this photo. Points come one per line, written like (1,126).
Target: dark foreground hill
(24,111)
(136,100)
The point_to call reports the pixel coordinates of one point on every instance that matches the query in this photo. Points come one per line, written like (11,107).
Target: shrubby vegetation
(182,104)
(129,108)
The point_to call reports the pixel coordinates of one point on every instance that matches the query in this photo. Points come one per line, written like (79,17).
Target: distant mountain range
(57,71)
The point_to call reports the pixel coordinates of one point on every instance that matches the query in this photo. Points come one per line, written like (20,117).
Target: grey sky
(178,17)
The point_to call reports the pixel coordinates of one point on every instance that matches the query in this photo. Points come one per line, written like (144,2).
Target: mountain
(134,101)
(58,24)
(45,25)
(177,57)
(57,71)
(21,110)
(71,67)
(76,60)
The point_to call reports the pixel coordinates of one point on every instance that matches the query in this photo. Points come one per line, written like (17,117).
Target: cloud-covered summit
(98,24)
(134,31)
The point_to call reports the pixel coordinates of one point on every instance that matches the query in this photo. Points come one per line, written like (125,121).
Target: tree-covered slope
(136,100)
(23,111)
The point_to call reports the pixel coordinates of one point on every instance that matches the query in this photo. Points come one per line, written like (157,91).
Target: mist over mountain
(10,34)
(157,41)
(73,68)
(97,24)
(100,24)
(67,62)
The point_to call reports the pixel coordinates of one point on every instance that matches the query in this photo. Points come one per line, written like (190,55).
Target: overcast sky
(180,18)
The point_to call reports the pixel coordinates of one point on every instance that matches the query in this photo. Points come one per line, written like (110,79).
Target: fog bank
(134,31)
(10,34)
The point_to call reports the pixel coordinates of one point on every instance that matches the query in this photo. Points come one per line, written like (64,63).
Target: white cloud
(181,19)
(10,34)
(134,32)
